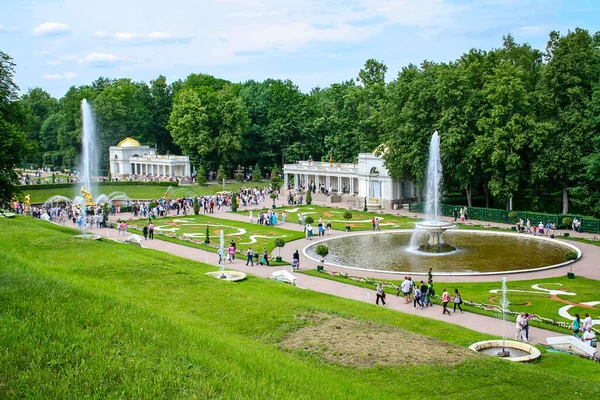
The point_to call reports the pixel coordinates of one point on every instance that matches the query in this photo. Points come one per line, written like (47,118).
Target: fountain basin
(230,276)
(479,252)
(520,351)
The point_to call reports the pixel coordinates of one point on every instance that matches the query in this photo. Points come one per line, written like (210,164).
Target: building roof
(129,142)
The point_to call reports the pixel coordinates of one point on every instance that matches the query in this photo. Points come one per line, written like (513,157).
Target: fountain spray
(222,253)
(504,304)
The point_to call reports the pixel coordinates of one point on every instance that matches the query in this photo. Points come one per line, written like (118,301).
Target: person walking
(249,255)
(457,301)
(231,252)
(151,231)
(423,294)
(145,232)
(265,257)
(576,325)
(445,301)
(417,299)
(380,295)
(296,260)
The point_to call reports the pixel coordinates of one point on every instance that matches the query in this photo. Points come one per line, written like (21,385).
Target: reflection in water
(477,252)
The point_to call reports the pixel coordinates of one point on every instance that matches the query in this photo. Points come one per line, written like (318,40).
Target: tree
(188,124)
(12,121)
(39,105)
(159,111)
(308,197)
(233,121)
(566,88)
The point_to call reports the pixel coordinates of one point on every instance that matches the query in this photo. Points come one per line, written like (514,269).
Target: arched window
(374,171)
(116,157)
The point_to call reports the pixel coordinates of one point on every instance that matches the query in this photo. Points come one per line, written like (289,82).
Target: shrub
(234,203)
(279,243)
(512,215)
(221,174)
(275,180)
(308,198)
(322,251)
(571,255)
(256,175)
(201,177)
(309,220)
(347,215)
(567,221)
(196,206)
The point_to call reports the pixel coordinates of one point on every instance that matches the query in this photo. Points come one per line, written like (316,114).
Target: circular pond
(477,252)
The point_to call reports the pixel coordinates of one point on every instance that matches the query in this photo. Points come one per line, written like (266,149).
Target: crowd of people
(548,229)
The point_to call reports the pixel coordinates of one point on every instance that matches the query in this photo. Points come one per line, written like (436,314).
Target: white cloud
(43,53)
(126,38)
(51,28)
(66,75)
(531,30)
(98,60)
(54,62)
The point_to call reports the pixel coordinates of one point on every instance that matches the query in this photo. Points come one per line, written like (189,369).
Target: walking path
(476,322)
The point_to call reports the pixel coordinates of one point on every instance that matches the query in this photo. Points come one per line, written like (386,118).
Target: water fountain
(232,276)
(89,164)
(434,244)
(507,349)
(432,228)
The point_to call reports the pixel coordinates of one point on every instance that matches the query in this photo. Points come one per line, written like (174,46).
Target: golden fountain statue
(27,206)
(166,196)
(87,196)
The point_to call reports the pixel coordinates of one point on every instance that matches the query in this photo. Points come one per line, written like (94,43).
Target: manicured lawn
(532,301)
(360,221)
(191,231)
(108,320)
(144,192)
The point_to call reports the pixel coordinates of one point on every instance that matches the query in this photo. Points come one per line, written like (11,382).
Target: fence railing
(590,225)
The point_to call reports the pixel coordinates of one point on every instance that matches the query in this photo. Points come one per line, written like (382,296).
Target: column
(339,185)
(296,180)
(352,185)
(285,180)
(327,182)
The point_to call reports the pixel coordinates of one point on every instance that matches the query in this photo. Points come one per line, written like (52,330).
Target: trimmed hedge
(588,224)
(120,183)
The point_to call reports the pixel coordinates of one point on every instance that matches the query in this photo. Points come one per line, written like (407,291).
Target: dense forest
(515,122)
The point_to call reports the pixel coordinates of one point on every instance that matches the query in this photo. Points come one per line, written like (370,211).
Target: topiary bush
(309,220)
(567,221)
(571,255)
(279,243)
(308,198)
(322,251)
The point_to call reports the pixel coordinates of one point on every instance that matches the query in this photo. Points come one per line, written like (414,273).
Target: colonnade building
(368,178)
(129,158)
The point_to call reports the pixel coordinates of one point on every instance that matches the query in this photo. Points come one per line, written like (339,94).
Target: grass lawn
(191,231)
(144,192)
(531,301)
(108,320)
(361,221)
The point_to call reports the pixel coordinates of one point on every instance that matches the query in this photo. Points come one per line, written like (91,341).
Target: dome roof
(129,142)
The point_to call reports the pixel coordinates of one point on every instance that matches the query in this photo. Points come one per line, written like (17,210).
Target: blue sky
(59,43)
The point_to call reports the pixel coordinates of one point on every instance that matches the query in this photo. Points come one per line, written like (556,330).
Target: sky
(59,43)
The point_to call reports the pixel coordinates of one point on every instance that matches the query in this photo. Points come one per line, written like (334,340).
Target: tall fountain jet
(432,228)
(433,179)
(89,146)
